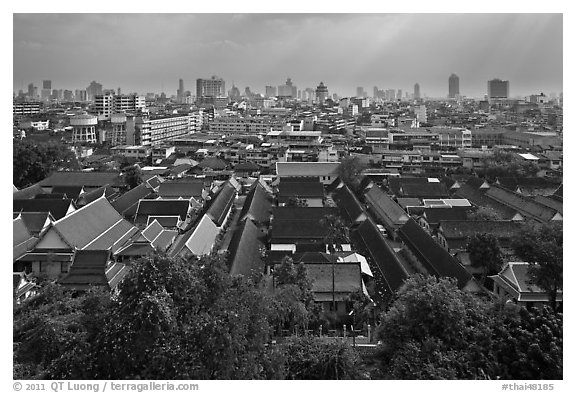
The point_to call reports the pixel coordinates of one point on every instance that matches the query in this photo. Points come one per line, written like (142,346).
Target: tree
(132,176)
(297,202)
(337,234)
(34,162)
(485,253)
(483,214)
(542,247)
(350,171)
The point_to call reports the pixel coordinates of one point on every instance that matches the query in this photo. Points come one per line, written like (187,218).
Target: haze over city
(150,52)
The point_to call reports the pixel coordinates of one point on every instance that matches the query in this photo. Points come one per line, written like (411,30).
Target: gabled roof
(165,239)
(283,231)
(165,221)
(212,163)
(160,207)
(72,192)
(127,203)
(257,205)
(516,279)
(306,168)
(28,192)
(35,222)
(513,183)
(478,197)
(550,202)
(107,191)
(222,204)
(248,166)
(86,179)
(90,268)
(20,232)
(524,205)
(316,257)
(409,202)
(96,226)
(300,189)
(434,215)
(384,257)
(348,203)
(502,229)
(434,258)
(152,230)
(384,207)
(302,213)
(417,187)
(202,237)
(347,280)
(185,190)
(245,251)
(56,207)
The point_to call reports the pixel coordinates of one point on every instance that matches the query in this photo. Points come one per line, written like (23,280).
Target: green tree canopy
(350,171)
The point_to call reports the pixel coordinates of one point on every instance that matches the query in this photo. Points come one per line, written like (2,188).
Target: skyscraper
(321,93)
(288,89)
(180,91)
(416,91)
(498,89)
(47,84)
(270,91)
(360,91)
(46,89)
(453,86)
(213,87)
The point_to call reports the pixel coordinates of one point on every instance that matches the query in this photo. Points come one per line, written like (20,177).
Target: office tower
(68,95)
(399,95)
(46,90)
(270,91)
(416,91)
(234,93)
(288,89)
(47,84)
(360,91)
(453,86)
(119,91)
(321,93)
(213,87)
(80,95)
(31,90)
(93,90)
(180,91)
(498,89)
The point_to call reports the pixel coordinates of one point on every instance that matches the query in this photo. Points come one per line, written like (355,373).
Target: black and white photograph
(268,195)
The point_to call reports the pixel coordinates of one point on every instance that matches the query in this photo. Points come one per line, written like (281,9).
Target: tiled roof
(347,277)
(91,196)
(72,192)
(222,204)
(302,190)
(302,213)
(434,215)
(212,163)
(292,230)
(245,251)
(152,230)
(202,237)
(524,205)
(384,207)
(20,232)
(381,254)
(88,268)
(348,204)
(96,226)
(35,222)
(160,207)
(28,192)
(56,207)
(434,258)
(257,205)
(306,168)
(185,190)
(87,179)
(165,239)
(550,202)
(127,203)
(478,197)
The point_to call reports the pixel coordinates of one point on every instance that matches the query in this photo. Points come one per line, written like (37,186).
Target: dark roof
(478,197)
(524,205)
(348,203)
(300,189)
(386,210)
(91,196)
(300,179)
(222,204)
(302,213)
(28,192)
(292,230)
(382,256)
(34,221)
(127,203)
(558,192)
(165,221)
(246,166)
(72,192)
(464,229)
(315,257)
(347,279)
(160,207)
(257,205)
(88,268)
(87,179)
(245,251)
(552,203)
(56,207)
(434,215)
(185,190)
(434,258)
(54,195)
(512,183)
(212,163)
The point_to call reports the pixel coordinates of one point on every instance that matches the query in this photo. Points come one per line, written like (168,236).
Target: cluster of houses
(82,229)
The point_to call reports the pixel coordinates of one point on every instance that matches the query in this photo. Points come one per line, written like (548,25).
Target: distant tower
(498,89)
(416,91)
(321,93)
(453,86)
(180,91)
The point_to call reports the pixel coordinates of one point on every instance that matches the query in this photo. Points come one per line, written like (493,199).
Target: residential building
(154,130)
(498,89)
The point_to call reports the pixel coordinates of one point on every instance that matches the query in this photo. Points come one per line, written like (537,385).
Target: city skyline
(342,50)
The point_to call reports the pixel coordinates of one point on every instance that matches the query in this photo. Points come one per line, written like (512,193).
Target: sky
(150,52)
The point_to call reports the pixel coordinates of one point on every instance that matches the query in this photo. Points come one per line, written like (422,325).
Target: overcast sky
(150,52)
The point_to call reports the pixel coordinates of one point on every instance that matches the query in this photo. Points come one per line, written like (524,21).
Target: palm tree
(337,234)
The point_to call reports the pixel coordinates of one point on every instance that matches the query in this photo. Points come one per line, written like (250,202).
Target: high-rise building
(68,95)
(416,91)
(93,90)
(360,92)
(213,87)
(47,84)
(498,89)
(288,89)
(399,95)
(80,95)
(270,91)
(321,93)
(180,91)
(453,86)
(234,93)
(46,90)
(31,93)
